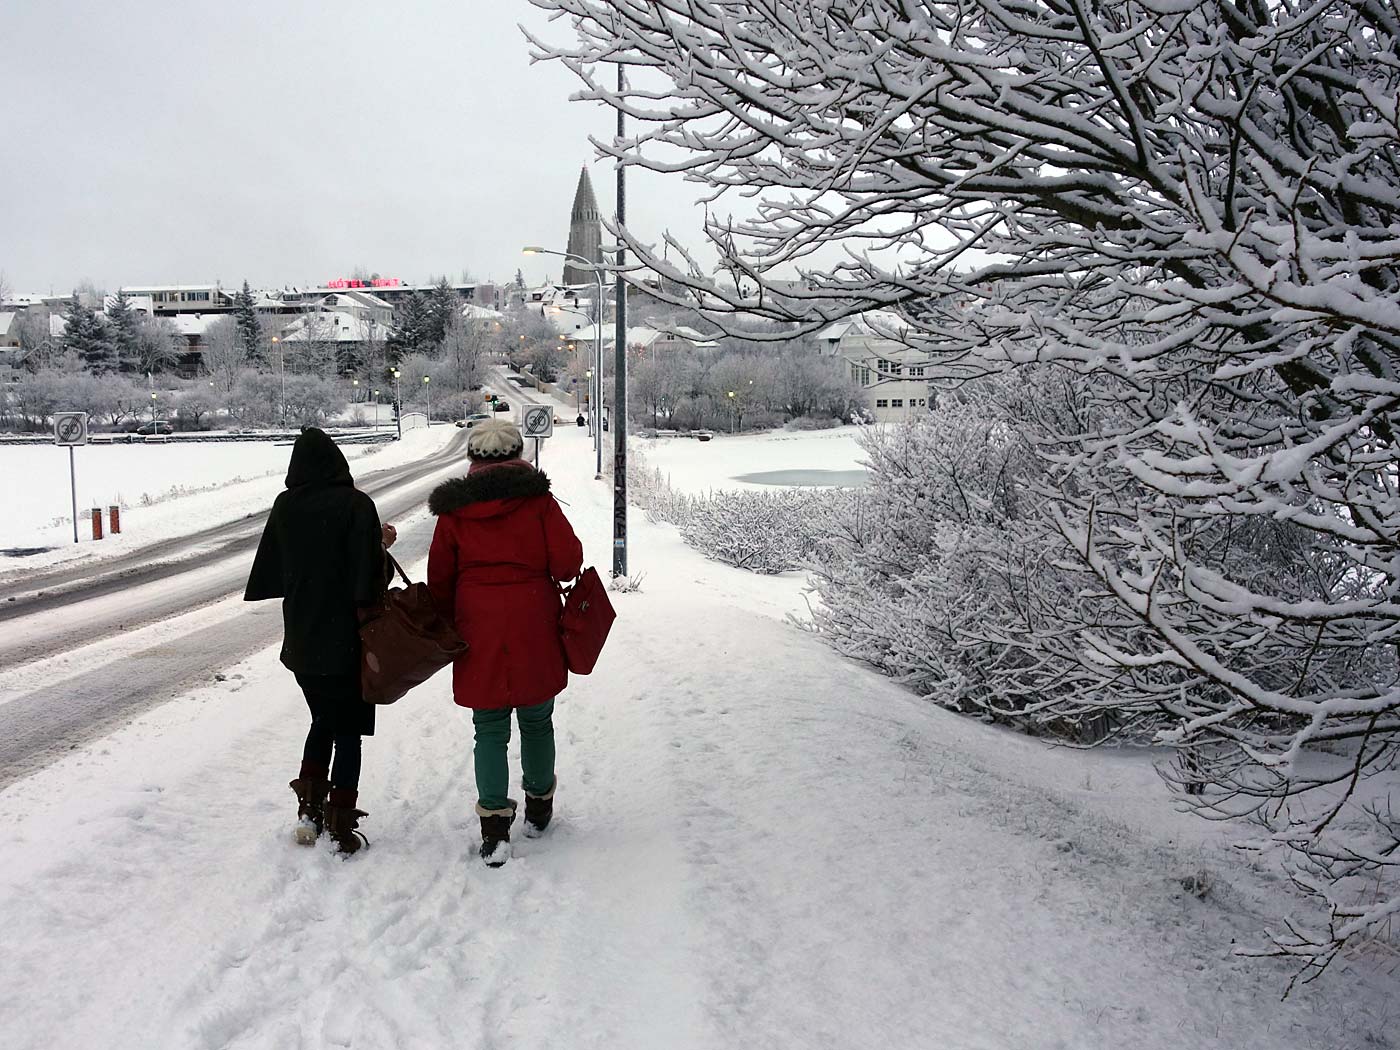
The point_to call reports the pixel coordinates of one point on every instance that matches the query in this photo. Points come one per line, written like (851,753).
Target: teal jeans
(536,752)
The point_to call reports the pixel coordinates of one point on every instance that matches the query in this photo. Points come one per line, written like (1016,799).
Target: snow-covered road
(85,648)
(759,845)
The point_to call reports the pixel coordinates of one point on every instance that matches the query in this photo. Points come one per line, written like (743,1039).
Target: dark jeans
(337,720)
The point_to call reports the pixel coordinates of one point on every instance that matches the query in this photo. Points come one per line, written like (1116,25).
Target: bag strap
(564,591)
(399,568)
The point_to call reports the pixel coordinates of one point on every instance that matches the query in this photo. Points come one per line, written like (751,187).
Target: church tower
(585,232)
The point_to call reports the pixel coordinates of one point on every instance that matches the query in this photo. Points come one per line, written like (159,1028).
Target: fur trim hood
(517,480)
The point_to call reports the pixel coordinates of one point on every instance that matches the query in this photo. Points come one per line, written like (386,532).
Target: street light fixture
(428,393)
(398,406)
(282,367)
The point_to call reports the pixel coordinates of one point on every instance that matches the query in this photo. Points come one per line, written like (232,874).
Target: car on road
(473,419)
(501,405)
(156,426)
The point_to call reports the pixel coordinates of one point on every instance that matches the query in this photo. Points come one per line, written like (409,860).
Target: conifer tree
(249,327)
(87,337)
(442,304)
(411,328)
(124,333)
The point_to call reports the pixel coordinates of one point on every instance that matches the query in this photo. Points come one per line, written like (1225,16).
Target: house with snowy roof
(892,374)
(334,326)
(645,341)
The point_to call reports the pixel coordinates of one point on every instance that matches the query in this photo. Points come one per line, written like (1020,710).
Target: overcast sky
(288,143)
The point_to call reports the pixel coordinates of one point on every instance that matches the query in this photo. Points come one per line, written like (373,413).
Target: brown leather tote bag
(404,642)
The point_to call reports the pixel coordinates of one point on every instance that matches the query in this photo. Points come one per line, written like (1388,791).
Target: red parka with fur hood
(501,543)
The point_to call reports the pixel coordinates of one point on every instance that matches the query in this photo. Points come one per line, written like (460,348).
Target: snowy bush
(1185,210)
(764,532)
(814,423)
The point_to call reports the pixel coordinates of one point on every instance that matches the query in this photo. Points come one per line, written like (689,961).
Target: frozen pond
(809,478)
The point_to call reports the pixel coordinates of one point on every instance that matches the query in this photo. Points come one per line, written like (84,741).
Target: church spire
(585,231)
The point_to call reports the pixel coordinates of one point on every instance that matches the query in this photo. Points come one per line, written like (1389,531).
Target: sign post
(538,423)
(70,429)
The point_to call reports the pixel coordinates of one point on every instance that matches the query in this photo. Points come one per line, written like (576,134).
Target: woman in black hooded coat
(322,553)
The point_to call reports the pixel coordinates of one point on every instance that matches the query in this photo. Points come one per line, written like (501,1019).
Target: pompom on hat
(496,439)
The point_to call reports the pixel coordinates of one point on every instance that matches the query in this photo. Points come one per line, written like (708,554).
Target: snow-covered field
(164,490)
(700,466)
(759,845)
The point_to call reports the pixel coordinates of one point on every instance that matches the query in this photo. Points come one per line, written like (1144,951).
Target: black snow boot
(343,821)
(539,810)
(495,834)
(311,809)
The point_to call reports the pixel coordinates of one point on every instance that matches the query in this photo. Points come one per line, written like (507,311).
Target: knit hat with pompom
(495,439)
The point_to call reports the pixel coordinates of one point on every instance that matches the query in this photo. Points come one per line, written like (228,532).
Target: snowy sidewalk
(759,845)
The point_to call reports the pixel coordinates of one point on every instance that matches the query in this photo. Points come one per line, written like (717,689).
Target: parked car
(473,419)
(501,405)
(155,426)
(703,435)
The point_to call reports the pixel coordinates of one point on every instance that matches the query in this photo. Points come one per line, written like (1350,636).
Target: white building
(647,342)
(891,373)
(334,326)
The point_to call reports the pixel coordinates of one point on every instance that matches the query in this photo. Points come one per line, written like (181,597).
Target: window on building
(896,370)
(883,365)
(865,377)
(917,373)
(897,402)
(882,403)
(855,371)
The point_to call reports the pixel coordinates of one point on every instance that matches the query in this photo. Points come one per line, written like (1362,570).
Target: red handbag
(584,622)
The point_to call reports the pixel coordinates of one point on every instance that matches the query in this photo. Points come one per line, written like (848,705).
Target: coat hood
(503,481)
(317,460)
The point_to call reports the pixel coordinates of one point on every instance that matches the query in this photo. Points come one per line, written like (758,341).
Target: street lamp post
(597,401)
(398,406)
(376,410)
(154,428)
(731,412)
(282,367)
(428,393)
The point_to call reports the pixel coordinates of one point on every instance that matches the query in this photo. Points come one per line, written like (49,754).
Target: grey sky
(290,142)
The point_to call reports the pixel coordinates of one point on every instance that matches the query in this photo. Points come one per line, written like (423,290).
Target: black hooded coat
(322,554)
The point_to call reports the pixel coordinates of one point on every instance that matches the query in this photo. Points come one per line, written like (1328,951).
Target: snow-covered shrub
(943,574)
(764,532)
(1190,209)
(813,423)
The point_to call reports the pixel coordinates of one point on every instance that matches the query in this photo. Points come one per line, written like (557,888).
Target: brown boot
(343,821)
(311,809)
(495,833)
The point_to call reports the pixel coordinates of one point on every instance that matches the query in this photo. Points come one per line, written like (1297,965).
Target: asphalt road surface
(163,598)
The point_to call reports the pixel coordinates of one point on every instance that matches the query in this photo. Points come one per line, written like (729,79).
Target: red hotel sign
(375,282)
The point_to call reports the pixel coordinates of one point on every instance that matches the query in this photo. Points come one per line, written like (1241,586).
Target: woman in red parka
(501,546)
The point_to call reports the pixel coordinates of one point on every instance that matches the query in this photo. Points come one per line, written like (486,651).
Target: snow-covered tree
(1193,202)
(123,326)
(224,358)
(412,328)
(87,337)
(249,327)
